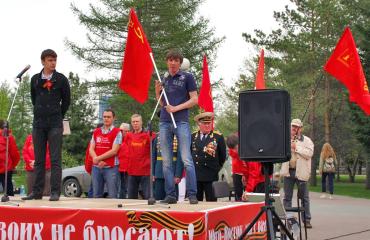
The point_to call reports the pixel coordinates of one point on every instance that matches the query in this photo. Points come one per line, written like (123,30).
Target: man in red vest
(104,146)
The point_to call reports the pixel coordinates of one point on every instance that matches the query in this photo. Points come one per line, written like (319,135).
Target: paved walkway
(342,218)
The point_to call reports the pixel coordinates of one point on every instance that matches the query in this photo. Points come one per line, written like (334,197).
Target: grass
(345,188)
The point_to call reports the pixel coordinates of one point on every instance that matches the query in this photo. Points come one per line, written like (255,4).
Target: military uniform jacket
(208,163)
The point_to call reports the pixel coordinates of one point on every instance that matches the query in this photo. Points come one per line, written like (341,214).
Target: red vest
(104,143)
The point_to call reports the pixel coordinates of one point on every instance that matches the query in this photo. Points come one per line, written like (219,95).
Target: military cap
(204,117)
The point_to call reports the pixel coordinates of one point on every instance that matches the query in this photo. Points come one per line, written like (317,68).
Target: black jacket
(206,165)
(50,106)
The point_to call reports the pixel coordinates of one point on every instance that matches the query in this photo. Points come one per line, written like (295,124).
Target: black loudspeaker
(264,125)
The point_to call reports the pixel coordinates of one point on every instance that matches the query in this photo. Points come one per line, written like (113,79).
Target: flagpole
(164,93)
(156,106)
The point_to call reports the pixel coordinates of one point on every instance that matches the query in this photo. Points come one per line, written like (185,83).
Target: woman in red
(251,171)
(29,160)
(239,168)
(13,159)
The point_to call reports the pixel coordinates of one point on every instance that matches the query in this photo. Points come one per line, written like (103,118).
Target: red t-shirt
(138,145)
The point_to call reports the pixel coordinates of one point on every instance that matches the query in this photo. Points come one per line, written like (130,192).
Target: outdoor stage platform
(82,218)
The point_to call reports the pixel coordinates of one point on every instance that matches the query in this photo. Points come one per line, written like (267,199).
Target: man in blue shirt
(181,90)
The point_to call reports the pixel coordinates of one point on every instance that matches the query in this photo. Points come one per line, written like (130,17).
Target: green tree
(22,113)
(4,100)
(167,24)
(81,116)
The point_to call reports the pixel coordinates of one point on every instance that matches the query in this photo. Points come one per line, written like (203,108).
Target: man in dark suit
(209,154)
(51,96)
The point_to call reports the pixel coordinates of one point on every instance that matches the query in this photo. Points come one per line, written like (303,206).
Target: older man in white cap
(298,169)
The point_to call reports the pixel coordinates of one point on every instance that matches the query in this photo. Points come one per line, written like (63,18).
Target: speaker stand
(269,210)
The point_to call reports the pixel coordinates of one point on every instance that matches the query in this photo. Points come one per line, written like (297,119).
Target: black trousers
(205,188)
(123,185)
(53,136)
(238,186)
(9,190)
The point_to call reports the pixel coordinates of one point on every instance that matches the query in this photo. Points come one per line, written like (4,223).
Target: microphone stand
(5,197)
(151,199)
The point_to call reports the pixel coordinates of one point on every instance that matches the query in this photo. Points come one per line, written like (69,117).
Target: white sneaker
(323,196)
(331,197)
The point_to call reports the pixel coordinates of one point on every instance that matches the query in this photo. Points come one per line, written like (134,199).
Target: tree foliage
(167,24)
(81,117)
(4,100)
(22,114)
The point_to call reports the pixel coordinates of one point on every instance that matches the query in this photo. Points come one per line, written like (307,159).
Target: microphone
(164,80)
(23,71)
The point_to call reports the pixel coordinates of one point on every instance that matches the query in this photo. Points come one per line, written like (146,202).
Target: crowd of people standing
(120,160)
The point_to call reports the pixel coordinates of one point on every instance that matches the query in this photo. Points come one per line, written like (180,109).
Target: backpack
(329,165)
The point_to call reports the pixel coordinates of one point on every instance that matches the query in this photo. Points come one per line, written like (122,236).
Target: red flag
(260,81)
(345,65)
(205,101)
(137,66)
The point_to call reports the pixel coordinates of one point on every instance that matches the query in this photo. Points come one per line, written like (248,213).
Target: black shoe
(193,200)
(32,196)
(54,197)
(169,200)
(308,224)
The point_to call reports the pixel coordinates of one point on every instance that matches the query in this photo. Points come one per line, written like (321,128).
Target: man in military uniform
(209,154)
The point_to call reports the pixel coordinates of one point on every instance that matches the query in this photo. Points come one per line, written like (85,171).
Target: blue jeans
(302,193)
(330,181)
(90,193)
(107,176)
(182,132)
(134,184)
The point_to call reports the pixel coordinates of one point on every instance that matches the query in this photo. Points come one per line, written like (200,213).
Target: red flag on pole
(205,101)
(260,81)
(344,64)
(137,66)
